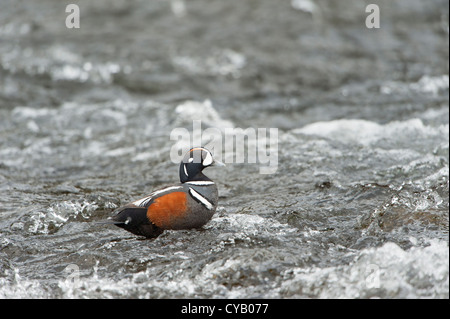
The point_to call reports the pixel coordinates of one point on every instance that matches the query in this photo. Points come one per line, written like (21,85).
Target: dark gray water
(359,205)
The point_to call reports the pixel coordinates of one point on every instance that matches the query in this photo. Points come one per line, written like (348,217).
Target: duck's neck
(190,173)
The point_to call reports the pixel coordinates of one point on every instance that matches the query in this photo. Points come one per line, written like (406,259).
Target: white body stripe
(144,201)
(202,199)
(200,183)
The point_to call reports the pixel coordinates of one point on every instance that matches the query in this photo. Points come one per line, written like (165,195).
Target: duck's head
(193,163)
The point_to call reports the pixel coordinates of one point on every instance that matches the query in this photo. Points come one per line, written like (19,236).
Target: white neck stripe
(200,183)
(202,199)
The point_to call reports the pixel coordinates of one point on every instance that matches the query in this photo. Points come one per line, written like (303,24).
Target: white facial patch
(208,159)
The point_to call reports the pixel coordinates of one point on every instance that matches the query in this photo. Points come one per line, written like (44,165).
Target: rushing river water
(357,208)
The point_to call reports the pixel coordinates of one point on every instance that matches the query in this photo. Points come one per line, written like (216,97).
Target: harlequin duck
(190,204)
